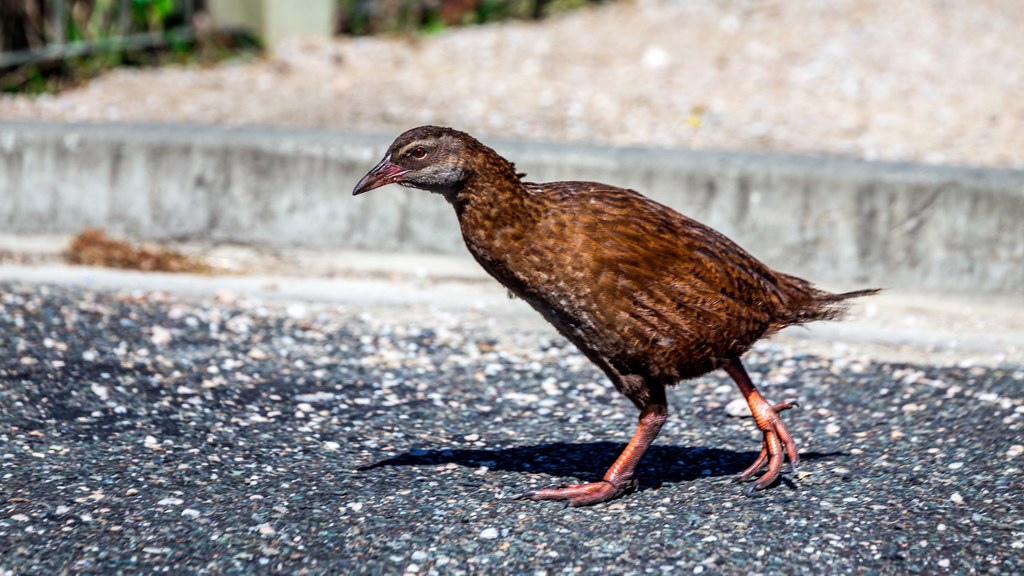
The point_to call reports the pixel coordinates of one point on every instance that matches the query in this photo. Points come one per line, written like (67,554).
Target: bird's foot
(778,444)
(585,494)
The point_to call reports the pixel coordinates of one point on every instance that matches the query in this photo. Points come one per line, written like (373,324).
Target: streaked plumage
(650,296)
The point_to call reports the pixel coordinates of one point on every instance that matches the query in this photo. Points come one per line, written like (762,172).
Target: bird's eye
(418,152)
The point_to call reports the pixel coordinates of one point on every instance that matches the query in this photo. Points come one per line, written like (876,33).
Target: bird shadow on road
(589,460)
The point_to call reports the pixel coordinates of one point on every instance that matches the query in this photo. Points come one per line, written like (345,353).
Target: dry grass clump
(92,247)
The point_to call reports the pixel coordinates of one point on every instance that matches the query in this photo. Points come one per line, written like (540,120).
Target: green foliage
(491,10)
(95,31)
(431,16)
(28,81)
(153,13)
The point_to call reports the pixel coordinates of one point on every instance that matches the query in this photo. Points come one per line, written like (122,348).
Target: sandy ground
(936,81)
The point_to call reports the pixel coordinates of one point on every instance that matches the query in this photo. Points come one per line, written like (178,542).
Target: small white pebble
(161,336)
(1014,451)
(332,446)
(737,408)
(100,391)
(656,58)
(956,465)
(257,354)
(489,533)
(266,529)
(471,437)
(956,498)
(944,563)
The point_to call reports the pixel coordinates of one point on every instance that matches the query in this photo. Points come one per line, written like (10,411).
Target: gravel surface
(937,81)
(146,431)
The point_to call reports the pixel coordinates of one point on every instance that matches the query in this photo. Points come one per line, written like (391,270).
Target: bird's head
(429,158)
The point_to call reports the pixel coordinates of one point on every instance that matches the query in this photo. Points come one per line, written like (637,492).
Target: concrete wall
(840,222)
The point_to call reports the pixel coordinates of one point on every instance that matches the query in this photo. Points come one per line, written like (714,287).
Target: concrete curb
(834,220)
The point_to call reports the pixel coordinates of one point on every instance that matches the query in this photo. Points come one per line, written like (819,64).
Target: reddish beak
(382,174)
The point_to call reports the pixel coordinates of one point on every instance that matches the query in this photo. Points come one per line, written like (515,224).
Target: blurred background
(51,36)
(934,81)
(856,142)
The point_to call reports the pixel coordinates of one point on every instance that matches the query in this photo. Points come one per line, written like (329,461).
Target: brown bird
(648,295)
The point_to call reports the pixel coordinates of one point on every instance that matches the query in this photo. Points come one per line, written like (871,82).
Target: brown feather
(632,281)
(650,296)
(638,287)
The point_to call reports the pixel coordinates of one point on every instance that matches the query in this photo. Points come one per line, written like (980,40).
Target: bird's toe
(585,494)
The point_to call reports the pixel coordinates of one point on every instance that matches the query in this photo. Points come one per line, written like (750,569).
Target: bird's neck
(497,216)
(490,204)
(493,188)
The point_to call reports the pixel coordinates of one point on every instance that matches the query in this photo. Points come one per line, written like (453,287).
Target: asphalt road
(145,431)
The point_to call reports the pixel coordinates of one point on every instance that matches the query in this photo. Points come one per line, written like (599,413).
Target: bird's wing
(644,266)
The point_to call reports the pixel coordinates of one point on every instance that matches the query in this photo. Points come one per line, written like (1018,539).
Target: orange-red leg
(619,478)
(778,443)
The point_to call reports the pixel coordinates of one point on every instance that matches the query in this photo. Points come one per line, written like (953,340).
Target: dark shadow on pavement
(589,460)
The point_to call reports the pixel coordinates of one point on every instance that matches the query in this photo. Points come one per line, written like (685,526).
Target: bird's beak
(383,173)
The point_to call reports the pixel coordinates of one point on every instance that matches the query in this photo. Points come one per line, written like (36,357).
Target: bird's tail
(808,303)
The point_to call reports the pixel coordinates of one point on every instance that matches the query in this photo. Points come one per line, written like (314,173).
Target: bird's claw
(786,405)
(778,445)
(753,492)
(584,494)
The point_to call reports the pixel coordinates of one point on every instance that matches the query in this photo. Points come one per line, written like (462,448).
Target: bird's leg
(776,436)
(619,478)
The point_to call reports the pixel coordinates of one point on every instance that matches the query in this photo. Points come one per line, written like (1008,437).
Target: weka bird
(648,295)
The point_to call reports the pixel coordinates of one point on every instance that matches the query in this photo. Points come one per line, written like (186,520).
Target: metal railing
(53,34)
